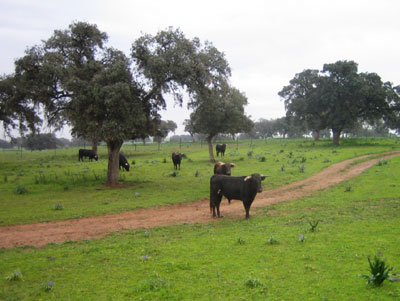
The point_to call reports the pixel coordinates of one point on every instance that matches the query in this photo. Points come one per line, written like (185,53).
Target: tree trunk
(113,147)
(211,150)
(336,136)
(94,146)
(316,135)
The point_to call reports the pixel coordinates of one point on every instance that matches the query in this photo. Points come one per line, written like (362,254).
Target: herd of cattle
(242,188)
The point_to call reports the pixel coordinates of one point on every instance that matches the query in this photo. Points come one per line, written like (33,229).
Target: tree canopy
(101,93)
(219,110)
(338,97)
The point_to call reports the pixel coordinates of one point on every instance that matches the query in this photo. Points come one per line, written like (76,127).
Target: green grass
(48,178)
(231,259)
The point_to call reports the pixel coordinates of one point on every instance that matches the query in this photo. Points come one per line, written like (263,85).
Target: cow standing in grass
(176,159)
(234,188)
(220,148)
(87,153)
(222,168)
(123,162)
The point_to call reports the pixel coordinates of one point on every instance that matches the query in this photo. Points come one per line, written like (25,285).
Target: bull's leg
(247,206)
(219,203)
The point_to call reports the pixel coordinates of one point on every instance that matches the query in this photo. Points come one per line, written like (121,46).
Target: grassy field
(35,184)
(273,256)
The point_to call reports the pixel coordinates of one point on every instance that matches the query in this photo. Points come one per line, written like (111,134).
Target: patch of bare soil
(197,212)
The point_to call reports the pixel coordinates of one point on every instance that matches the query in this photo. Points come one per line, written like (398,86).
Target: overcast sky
(265,42)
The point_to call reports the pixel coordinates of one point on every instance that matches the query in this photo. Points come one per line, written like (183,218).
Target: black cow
(234,188)
(221,168)
(123,162)
(176,159)
(220,148)
(87,153)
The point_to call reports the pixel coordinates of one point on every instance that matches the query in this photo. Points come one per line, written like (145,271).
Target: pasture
(274,255)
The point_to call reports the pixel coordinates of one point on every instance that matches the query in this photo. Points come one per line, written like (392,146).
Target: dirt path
(199,211)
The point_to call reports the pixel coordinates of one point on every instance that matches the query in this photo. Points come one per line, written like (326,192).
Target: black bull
(234,188)
(123,162)
(87,153)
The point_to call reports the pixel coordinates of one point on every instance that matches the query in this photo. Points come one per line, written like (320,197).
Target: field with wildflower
(314,248)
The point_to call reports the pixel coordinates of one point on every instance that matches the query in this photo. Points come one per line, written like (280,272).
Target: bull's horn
(247,178)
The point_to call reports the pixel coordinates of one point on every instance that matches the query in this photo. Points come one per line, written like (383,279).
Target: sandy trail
(197,212)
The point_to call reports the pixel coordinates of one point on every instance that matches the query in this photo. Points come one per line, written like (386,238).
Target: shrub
(197,174)
(250,154)
(301,169)
(347,189)
(20,189)
(379,272)
(263,159)
(164,161)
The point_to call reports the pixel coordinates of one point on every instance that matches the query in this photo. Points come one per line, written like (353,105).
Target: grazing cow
(220,148)
(234,188)
(123,162)
(87,153)
(176,159)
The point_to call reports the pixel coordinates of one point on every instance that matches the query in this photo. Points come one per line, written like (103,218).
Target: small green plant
(382,162)
(48,286)
(197,174)
(301,169)
(15,276)
(313,225)
(174,174)
(164,160)
(253,283)
(348,188)
(272,241)
(5,179)
(21,189)
(263,159)
(240,241)
(303,159)
(379,271)
(58,207)
(250,154)
(283,168)
(66,187)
